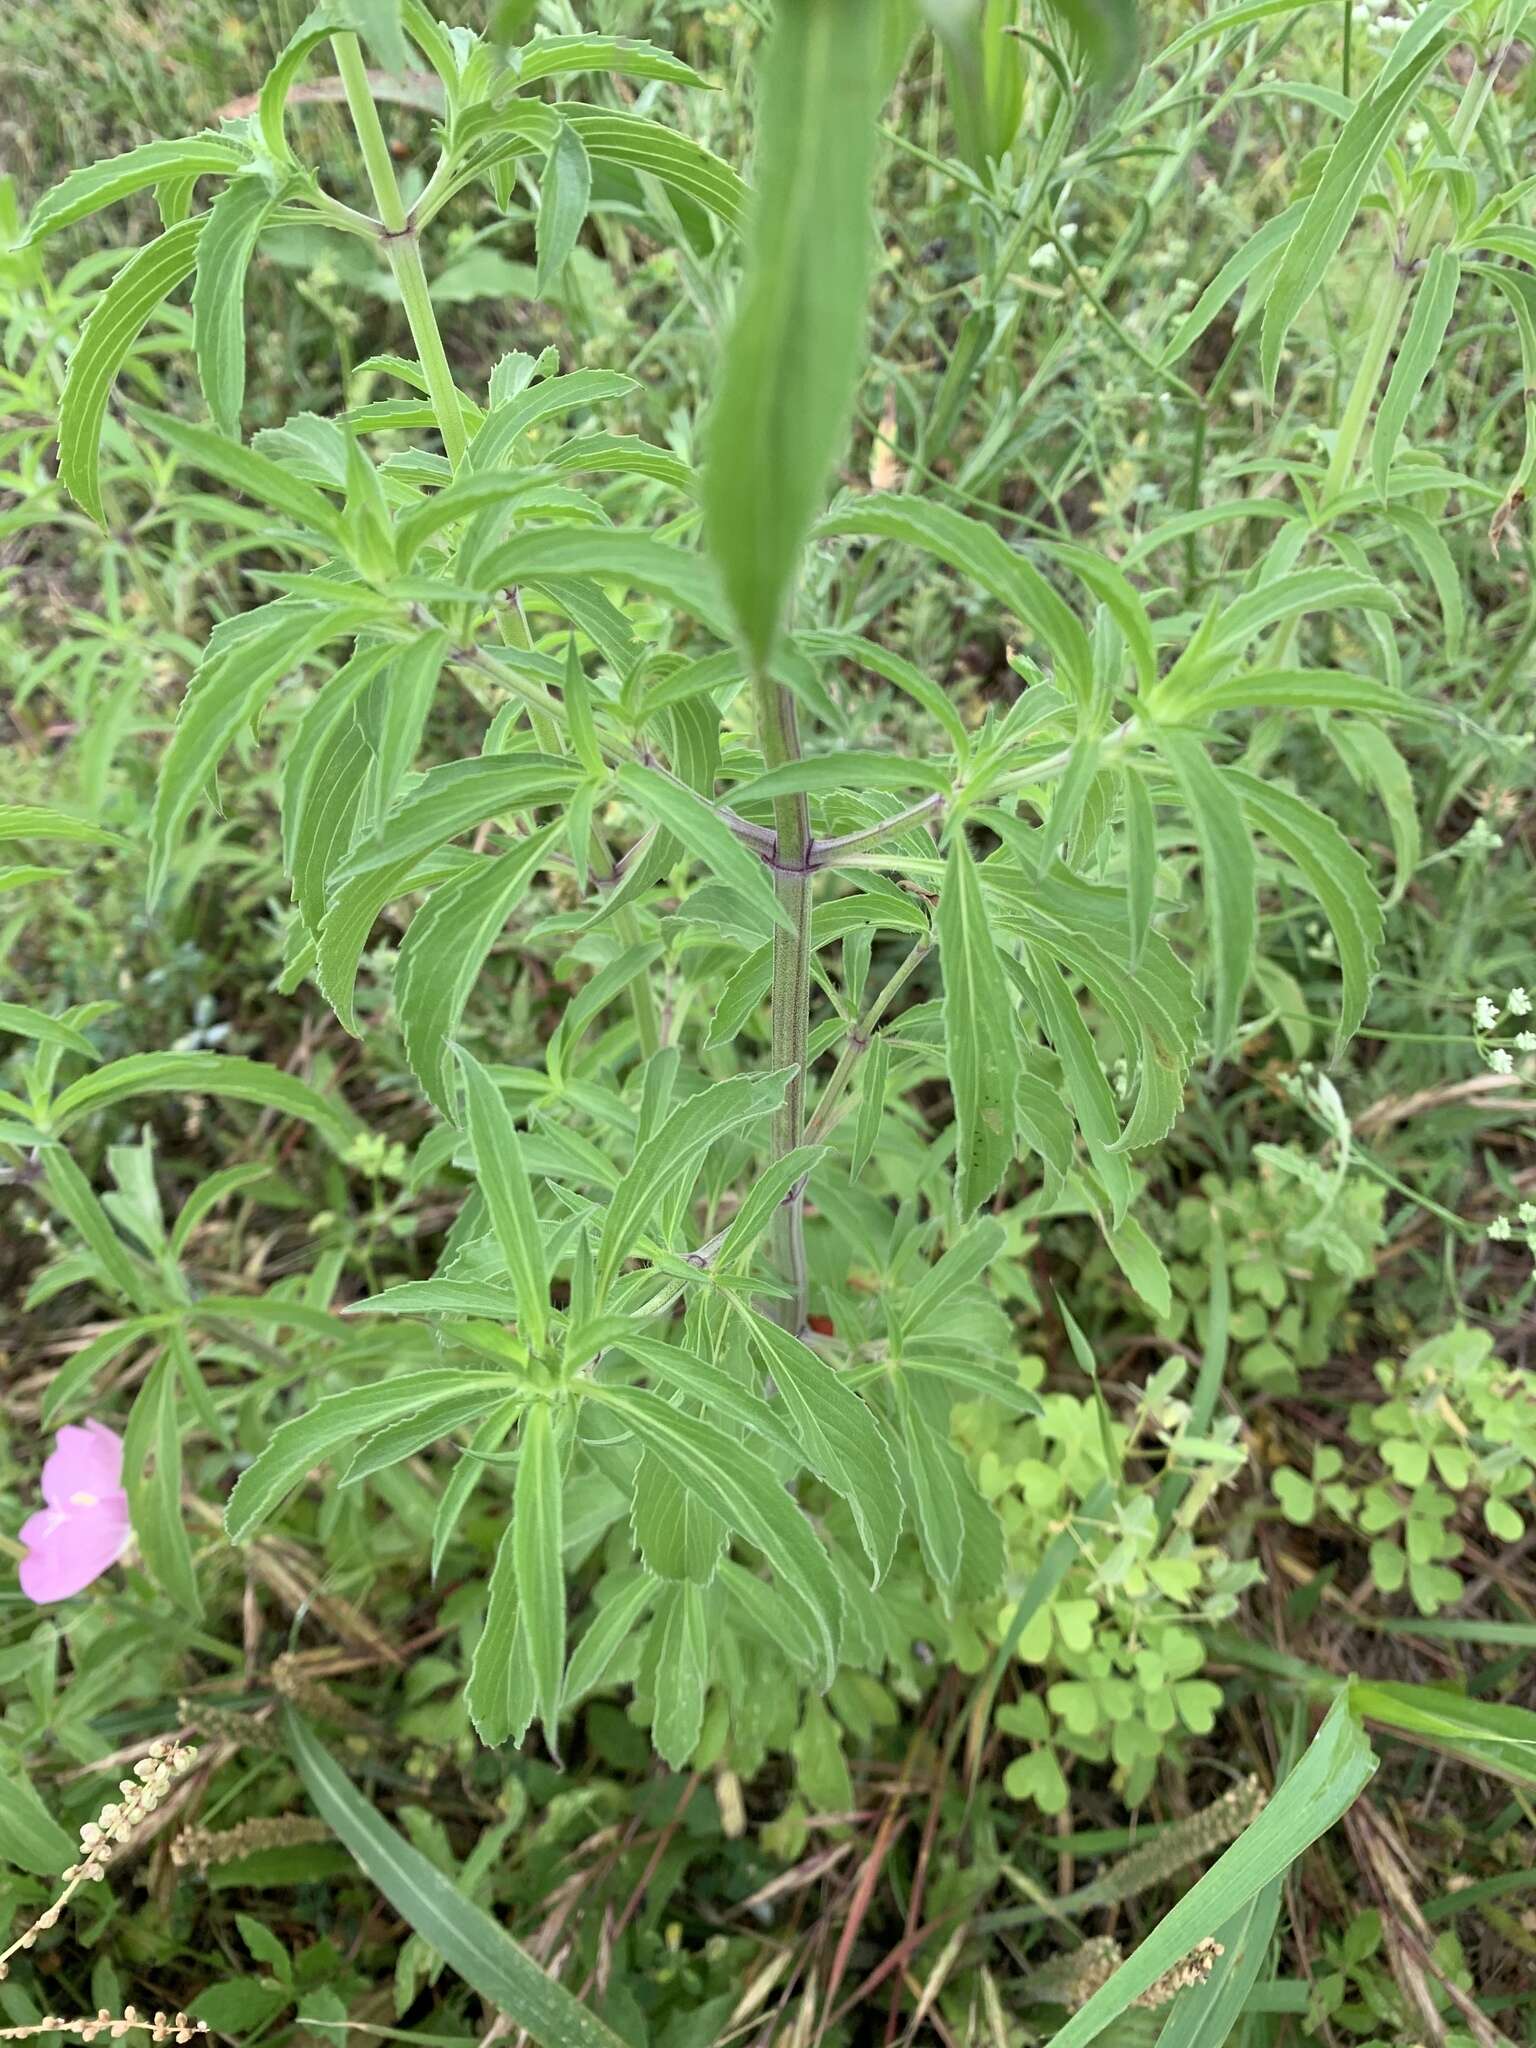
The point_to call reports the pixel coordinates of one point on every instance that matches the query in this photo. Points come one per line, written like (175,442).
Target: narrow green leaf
(1337,1765)
(203,1073)
(312,1437)
(447,1919)
(667,1162)
(1227,875)
(564,196)
(795,347)
(503,1180)
(980,554)
(843,1443)
(979,1033)
(1336,197)
(1338,877)
(614,1622)
(747,1497)
(235,220)
(444,952)
(705,834)
(537,1525)
(94,186)
(113,326)
(256,476)
(677,1665)
(1433,304)
(152,1478)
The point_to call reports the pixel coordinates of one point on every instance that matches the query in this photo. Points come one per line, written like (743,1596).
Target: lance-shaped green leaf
(297,1446)
(1433,304)
(255,475)
(1227,875)
(36,821)
(669,1160)
(94,186)
(675,1670)
(705,834)
(503,1181)
(564,196)
(796,344)
(744,1493)
(607,1633)
(114,325)
(203,1073)
(152,1478)
(843,1443)
(444,951)
(979,553)
(1323,1785)
(1104,30)
(447,1919)
(560,56)
(979,1037)
(674,160)
(1338,877)
(25,1022)
(717,1392)
(235,220)
(72,1195)
(537,1525)
(247,656)
(1336,199)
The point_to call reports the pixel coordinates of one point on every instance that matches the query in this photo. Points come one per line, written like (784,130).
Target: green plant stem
(779,737)
(403,248)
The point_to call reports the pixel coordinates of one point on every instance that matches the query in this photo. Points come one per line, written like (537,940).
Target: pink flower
(84,1526)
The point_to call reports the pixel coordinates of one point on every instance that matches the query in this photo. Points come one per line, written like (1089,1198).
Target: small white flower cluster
(1486,1019)
(152,1778)
(1372,14)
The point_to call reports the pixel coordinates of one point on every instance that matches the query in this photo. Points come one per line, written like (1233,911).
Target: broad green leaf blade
(537,1525)
(795,347)
(450,1922)
(308,1439)
(560,56)
(114,325)
(563,201)
(1227,875)
(94,186)
(444,951)
(1338,876)
(235,220)
(1336,199)
(842,1440)
(503,1181)
(723,1477)
(980,554)
(1433,304)
(1337,1765)
(705,834)
(978,1033)
(717,1392)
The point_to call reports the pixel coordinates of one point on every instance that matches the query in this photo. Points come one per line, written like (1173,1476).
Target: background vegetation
(1277,1432)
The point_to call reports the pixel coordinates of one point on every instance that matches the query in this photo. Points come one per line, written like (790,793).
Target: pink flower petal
(88,1463)
(69,1547)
